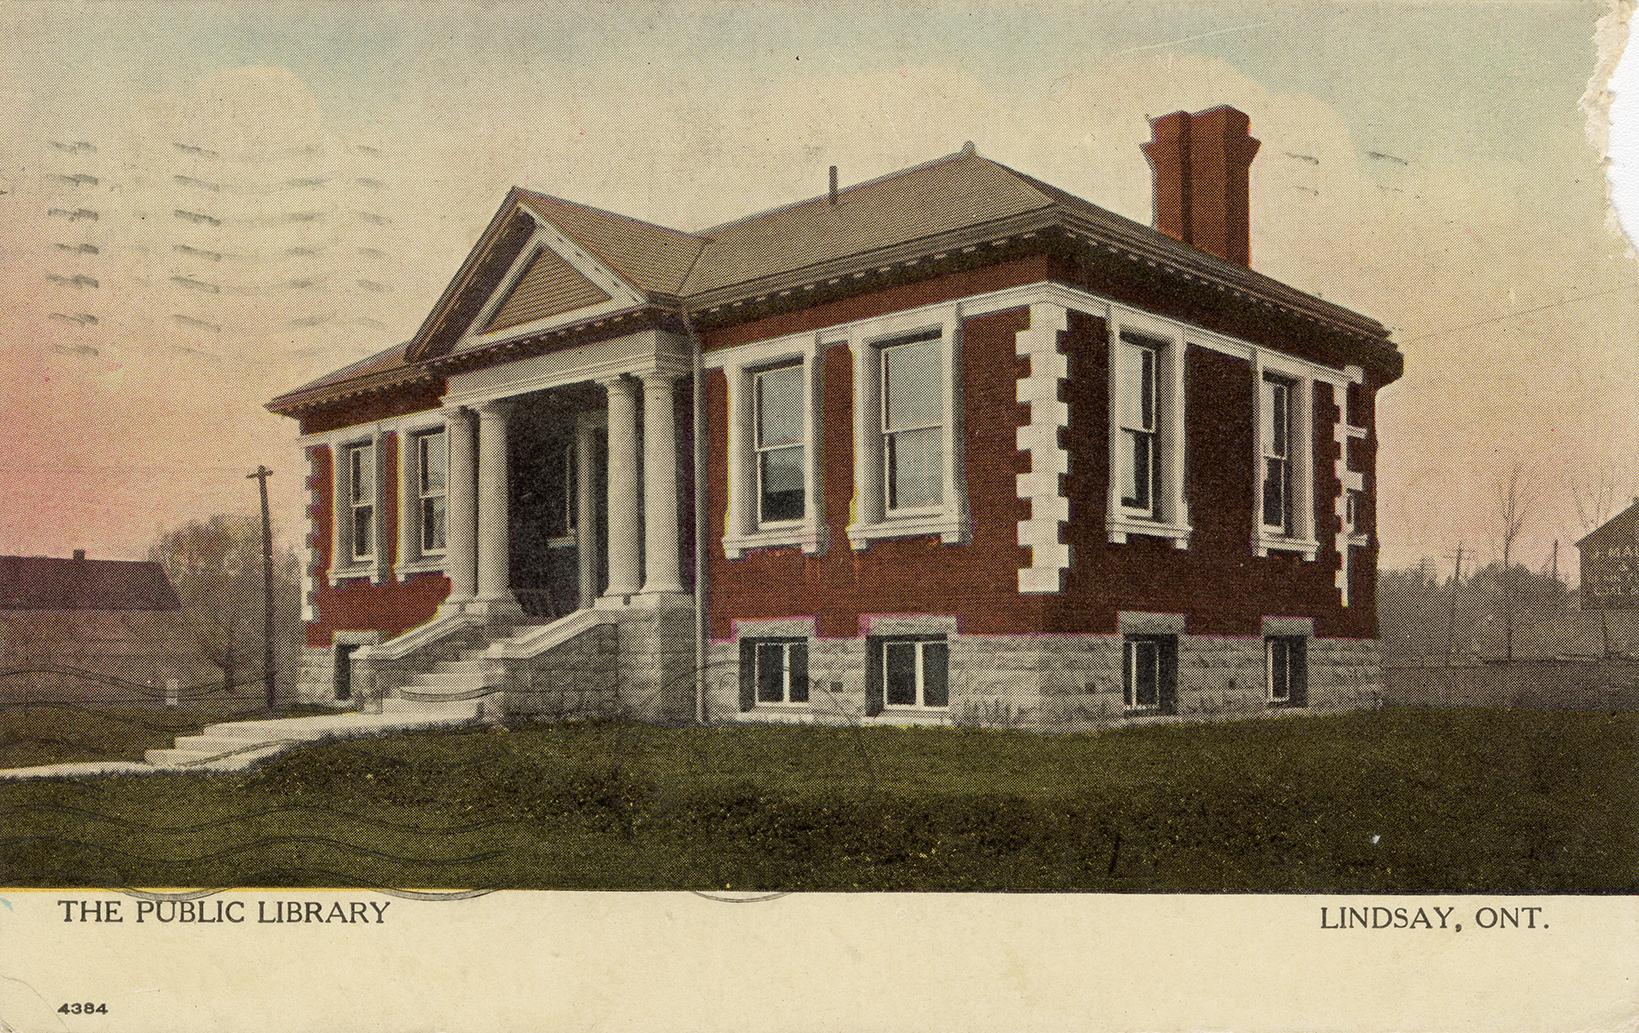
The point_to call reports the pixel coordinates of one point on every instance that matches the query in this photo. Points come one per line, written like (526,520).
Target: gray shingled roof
(949,195)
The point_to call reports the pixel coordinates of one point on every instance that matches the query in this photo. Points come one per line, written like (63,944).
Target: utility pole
(1555,565)
(1451,622)
(260,477)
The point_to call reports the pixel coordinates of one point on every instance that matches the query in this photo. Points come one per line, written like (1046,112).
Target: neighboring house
(1610,563)
(82,630)
(972,450)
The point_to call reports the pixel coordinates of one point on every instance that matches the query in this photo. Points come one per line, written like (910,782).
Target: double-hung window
(778,441)
(361,500)
(432,507)
(1137,386)
(1275,442)
(912,425)
(1286,673)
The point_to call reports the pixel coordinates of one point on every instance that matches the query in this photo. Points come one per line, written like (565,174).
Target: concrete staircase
(236,745)
(470,679)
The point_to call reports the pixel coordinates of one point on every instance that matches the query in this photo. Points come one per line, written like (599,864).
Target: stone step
(429,710)
(219,745)
(195,759)
(455,681)
(471,666)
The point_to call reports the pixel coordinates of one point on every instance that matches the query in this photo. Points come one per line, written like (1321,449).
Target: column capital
(494,409)
(659,378)
(456,414)
(619,382)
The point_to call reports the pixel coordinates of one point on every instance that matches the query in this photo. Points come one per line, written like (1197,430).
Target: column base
(452,607)
(656,598)
(499,606)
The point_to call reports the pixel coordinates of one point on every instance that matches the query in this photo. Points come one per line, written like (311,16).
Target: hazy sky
(1426,164)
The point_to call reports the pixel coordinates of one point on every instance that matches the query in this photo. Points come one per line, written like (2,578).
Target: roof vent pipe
(833,184)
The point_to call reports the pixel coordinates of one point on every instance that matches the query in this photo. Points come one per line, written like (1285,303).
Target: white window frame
(1169,517)
(743,529)
(411,557)
(343,562)
(786,645)
(759,449)
(920,643)
(1300,538)
(1131,647)
(1152,431)
(1270,644)
(1270,453)
(891,511)
(872,520)
(361,496)
(421,441)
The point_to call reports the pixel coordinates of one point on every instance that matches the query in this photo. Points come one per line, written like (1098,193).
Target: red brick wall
(392,607)
(1223,587)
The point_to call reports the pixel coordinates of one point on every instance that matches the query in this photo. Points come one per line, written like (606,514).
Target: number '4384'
(83,1008)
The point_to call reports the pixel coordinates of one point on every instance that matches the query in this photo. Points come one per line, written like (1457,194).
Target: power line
(1522,312)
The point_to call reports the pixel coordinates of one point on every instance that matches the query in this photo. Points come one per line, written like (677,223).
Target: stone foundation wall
(577,678)
(316,676)
(1059,682)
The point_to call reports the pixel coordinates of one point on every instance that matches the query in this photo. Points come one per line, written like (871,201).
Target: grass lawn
(50,733)
(1398,800)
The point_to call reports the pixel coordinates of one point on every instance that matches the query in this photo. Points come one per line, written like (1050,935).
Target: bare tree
(215,565)
(1597,497)
(1515,499)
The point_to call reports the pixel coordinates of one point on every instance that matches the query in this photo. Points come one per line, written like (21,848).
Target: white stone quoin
(462,530)
(494,577)
(623,487)
(660,485)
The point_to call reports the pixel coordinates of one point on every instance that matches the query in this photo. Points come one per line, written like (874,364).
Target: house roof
(53,583)
(652,258)
(1613,525)
(950,201)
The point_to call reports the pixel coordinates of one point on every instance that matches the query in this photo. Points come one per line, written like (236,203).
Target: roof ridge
(609,212)
(965,152)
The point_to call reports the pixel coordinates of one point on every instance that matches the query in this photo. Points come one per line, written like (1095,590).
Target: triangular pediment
(547,285)
(525,274)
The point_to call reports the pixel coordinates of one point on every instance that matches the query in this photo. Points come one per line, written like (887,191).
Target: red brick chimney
(1202,164)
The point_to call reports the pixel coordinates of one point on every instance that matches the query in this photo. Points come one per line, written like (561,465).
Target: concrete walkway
(237,745)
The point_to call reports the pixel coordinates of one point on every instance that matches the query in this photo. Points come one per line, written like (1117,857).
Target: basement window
(773,672)
(1149,680)
(1286,670)
(909,673)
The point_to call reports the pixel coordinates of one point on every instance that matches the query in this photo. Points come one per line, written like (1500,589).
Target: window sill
(951,529)
(364,570)
(1120,527)
(1359,541)
(808,536)
(1267,543)
(425,565)
(1350,430)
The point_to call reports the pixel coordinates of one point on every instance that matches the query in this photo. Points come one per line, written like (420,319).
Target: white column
(494,551)
(622,477)
(660,485)
(462,486)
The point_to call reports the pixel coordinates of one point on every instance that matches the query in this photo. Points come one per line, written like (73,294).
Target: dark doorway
(344,672)
(546,509)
